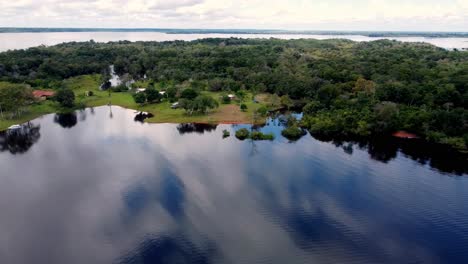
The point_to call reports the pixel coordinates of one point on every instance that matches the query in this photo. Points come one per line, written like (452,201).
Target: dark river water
(101,187)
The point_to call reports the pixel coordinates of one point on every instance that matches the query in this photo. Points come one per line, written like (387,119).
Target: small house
(43,95)
(162,93)
(231,96)
(140,90)
(404,134)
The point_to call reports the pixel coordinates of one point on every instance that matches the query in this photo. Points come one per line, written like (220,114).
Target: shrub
(119,88)
(140,98)
(189,94)
(242,133)
(263,111)
(226,133)
(257,135)
(226,99)
(293,133)
(243,107)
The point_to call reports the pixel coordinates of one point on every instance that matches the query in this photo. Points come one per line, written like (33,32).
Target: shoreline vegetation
(225,113)
(344,88)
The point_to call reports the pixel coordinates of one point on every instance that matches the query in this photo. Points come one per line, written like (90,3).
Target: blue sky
(410,15)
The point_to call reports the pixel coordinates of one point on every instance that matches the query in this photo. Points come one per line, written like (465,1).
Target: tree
(187,105)
(140,98)
(171,93)
(201,104)
(327,93)
(189,94)
(385,114)
(152,95)
(262,111)
(286,101)
(311,107)
(13,97)
(241,95)
(365,86)
(65,97)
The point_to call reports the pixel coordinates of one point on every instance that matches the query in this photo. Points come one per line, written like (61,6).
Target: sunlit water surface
(100,187)
(9,41)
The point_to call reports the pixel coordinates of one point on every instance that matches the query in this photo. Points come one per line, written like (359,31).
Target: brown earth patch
(230,114)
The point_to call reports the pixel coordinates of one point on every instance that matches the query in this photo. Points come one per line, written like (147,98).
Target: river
(26,40)
(100,186)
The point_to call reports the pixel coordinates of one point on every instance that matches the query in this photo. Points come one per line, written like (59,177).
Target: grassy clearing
(226,113)
(34,111)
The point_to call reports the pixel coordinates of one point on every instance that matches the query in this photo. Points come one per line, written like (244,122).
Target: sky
(385,15)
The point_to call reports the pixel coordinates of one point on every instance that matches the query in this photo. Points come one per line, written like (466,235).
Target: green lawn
(162,111)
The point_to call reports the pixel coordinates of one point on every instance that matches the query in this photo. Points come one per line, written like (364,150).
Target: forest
(344,88)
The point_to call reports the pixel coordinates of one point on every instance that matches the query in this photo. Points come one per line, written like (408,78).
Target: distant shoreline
(376,34)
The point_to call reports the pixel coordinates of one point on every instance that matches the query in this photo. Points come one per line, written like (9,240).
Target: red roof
(404,134)
(40,93)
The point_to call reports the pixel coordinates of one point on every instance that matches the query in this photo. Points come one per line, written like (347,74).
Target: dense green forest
(345,88)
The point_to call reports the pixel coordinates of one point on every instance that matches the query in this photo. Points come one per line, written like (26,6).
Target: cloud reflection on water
(115,190)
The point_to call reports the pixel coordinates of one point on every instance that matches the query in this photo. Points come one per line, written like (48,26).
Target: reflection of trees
(348,148)
(21,140)
(254,149)
(382,150)
(439,157)
(195,128)
(141,116)
(82,114)
(68,120)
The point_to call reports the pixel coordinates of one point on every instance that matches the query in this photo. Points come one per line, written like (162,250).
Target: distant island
(376,34)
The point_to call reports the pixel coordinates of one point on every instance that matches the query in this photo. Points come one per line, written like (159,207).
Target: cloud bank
(426,15)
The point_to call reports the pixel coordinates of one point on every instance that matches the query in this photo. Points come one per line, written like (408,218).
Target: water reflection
(141,116)
(120,192)
(167,250)
(387,149)
(67,120)
(20,140)
(198,128)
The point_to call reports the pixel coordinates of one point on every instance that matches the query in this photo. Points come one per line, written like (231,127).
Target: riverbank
(162,112)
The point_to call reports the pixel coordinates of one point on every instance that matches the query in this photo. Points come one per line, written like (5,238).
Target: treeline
(347,87)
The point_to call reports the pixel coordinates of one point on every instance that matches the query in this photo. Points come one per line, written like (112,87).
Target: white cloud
(448,15)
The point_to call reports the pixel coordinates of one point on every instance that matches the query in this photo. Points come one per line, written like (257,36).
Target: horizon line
(231,29)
